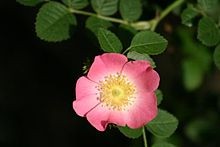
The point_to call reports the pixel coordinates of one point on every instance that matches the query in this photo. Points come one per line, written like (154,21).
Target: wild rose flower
(117,91)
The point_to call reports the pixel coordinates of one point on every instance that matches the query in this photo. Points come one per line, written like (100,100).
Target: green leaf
(208,32)
(93,24)
(105,7)
(164,125)
(130,10)
(163,144)
(29,2)
(108,41)
(137,56)
(76,4)
(197,61)
(219,19)
(148,42)
(208,5)
(159,95)
(197,127)
(192,74)
(188,14)
(216,56)
(130,133)
(53,22)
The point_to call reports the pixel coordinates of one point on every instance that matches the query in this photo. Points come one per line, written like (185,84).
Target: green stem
(116,20)
(164,13)
(140,25)
(126,50)
(144,137)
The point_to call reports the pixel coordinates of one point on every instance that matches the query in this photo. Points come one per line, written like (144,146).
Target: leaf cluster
(55,19)
(208,30)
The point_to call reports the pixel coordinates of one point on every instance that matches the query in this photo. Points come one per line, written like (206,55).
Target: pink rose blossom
(117,91)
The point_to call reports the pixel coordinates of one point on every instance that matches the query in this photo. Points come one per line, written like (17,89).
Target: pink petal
(105,64)
(142,75)
(86,98)
(143,111)
(85,87)
(118,118)
(98,117)
(85,105)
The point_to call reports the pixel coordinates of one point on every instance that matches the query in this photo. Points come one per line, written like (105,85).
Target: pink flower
(117,91)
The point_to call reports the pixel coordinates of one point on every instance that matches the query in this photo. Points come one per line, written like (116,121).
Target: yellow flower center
(116,92)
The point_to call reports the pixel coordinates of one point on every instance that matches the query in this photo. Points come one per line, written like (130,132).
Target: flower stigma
(116,92)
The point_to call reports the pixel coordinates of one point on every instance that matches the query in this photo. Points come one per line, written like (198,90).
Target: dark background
(37,81)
